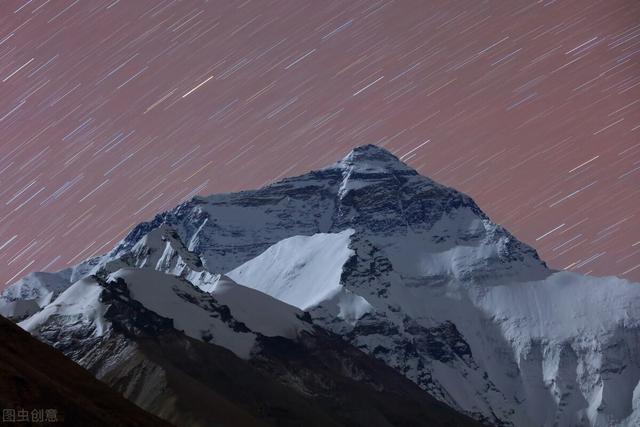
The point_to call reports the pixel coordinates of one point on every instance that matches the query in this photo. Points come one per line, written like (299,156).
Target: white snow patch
(302,270)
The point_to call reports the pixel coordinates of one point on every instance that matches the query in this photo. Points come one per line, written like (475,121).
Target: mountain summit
(370,152)
(373,157)
(407,270)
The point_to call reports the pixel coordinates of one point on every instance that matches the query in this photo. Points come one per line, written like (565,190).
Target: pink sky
(112,111)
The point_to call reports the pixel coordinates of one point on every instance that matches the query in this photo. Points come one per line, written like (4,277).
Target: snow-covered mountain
(407,270)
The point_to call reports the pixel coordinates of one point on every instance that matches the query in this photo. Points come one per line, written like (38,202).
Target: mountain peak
(370,158)
(370,152)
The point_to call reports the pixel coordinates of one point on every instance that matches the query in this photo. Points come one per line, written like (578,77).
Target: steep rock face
(415,274)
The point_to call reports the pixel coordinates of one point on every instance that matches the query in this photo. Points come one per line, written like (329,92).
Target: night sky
(112,111)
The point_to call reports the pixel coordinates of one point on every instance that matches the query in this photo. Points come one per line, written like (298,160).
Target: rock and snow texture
(79,304)
(413,273)
(32,292)
(231,317)
(260,312)
(194,313)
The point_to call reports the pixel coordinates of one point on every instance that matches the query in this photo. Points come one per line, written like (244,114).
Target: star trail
(111,111)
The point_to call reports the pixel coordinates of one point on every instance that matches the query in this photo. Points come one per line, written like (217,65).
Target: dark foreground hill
(34,376)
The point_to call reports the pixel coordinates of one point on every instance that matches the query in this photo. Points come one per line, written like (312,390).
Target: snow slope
(226,318)
(79,304)
(261,313)
(301,270)
(192,311)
